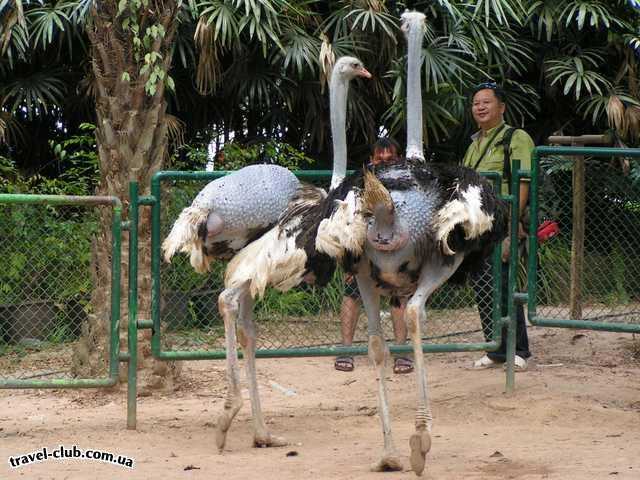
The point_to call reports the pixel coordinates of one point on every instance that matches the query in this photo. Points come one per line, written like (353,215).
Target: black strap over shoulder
(506,143)
(487,146)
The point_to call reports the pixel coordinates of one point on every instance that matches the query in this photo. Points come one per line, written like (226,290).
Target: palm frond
(30,94)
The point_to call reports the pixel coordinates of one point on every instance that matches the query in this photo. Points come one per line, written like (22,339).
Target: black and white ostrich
(425,222)
(403,231)
(231,218)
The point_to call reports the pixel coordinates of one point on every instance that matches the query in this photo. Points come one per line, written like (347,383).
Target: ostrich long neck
(338,90)
(415,29)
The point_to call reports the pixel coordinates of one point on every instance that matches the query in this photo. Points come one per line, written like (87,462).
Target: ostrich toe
(420,443)
(390,462)
(268,440)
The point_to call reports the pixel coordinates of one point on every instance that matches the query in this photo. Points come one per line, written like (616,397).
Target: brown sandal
(344,364)
(402,365)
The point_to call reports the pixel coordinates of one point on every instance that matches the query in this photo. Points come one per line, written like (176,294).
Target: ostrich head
(384,232)
(347,68)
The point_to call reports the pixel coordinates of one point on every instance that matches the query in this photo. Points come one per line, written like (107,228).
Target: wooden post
(578,227)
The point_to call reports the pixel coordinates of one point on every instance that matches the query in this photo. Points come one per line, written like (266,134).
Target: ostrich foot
(267,440)
(221,438)
(390,462)
(222,426)
(420,443)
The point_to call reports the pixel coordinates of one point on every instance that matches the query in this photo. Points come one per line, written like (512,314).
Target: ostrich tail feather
(466,211)
(184,238)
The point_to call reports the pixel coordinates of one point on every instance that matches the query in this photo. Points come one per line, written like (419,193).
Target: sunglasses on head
(490,85)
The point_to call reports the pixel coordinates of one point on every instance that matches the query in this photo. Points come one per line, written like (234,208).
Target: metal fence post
(513,273)
(132,376)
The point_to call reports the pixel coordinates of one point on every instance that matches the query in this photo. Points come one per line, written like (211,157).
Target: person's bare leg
(349,311)
(402,363)
(399,325)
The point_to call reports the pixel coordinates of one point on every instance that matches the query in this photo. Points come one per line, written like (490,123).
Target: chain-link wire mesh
(302,317)
(46,287)
(610,287)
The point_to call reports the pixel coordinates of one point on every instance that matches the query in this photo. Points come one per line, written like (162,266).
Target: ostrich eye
(354,65)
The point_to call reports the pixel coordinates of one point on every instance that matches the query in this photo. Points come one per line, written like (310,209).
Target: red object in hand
(548,229)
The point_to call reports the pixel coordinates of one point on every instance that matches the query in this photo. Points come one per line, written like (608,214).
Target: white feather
(465,210)
(184,238)
(272,260)
(345,229)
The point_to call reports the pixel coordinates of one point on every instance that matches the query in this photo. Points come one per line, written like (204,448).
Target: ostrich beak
(363,72)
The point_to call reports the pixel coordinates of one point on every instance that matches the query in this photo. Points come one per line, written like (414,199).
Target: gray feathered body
(230,212)
(252,197)
(397,271)
(442,209)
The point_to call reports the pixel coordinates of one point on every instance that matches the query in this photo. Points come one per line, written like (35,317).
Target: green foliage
(78,158)
(237,155)
(152,70)
(612,228)
(48,249)
(77,164)
(48,252)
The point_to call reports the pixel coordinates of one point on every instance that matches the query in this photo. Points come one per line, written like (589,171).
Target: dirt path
(575,415)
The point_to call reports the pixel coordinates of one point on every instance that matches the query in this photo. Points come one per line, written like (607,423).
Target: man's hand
(506,249)
(506,243)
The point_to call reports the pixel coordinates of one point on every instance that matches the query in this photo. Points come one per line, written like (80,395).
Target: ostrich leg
(431,277)
(228,306)
(247,338)
(378,353)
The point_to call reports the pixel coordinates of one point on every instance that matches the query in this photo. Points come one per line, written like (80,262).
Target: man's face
(384,155)
(487,110)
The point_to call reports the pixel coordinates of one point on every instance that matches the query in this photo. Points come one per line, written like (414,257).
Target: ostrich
(232,218)
(424,223)
(232,211)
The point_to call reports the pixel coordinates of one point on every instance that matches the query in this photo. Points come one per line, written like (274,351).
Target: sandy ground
(575,415)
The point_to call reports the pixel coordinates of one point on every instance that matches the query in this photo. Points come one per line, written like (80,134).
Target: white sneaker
(484,362)
(520,364)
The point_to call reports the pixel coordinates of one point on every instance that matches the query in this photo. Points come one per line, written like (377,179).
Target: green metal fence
(46,285)
(598,289)
(46,288)
(302,322)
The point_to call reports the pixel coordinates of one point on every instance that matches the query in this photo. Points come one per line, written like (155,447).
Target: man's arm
(524,195)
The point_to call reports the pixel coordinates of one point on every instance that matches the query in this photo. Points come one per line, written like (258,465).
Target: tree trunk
(131,135)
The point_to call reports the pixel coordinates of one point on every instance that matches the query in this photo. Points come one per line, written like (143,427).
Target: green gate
(589,276)
(46,287)
(302,322)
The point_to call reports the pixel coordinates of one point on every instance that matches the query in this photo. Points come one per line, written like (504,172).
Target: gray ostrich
(231,218)
(232,211)
(403,231)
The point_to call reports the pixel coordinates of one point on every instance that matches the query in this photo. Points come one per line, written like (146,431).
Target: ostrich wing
(469,214)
